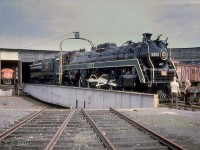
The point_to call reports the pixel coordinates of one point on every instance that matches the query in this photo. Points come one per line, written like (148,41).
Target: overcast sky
(43,24)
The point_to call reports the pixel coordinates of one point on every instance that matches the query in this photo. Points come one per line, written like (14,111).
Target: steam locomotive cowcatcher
(143,66)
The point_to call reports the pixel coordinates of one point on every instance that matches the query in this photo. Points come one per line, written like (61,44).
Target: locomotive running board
(109,64)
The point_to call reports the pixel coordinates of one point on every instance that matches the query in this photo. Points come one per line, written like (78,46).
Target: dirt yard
(23,102)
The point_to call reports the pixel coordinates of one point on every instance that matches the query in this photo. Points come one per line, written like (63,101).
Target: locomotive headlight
(164,55)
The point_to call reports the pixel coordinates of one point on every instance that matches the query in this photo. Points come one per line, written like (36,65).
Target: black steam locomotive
(143,66)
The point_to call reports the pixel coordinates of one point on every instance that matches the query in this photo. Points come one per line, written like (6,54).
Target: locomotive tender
(138,66)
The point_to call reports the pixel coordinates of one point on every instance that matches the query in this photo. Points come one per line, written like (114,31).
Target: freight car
(188,71)
(7,76)
(143,66)
(192,73)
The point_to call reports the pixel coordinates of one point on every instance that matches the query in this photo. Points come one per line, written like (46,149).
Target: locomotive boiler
(142,66)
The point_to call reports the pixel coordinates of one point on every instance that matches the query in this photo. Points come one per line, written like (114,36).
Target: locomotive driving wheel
(92,81)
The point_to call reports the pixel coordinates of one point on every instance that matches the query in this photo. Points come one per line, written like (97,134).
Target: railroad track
(181,105)
(81,129)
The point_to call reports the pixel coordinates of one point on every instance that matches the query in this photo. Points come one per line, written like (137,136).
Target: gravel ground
(7,117)
(13,108)
(15,102)
(172,123)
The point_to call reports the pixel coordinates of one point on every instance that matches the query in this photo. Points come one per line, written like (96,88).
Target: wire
(47,41)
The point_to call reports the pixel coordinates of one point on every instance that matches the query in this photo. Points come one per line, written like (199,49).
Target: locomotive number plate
(154,54)
(90,65)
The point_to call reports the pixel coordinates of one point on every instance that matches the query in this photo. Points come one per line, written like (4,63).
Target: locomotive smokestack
(146,37)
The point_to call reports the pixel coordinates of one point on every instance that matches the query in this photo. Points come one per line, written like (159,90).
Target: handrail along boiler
(145,65)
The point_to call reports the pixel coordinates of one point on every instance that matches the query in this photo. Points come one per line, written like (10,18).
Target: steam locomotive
(142,66)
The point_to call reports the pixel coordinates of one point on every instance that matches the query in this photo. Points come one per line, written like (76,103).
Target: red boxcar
(7,76)
(191,72)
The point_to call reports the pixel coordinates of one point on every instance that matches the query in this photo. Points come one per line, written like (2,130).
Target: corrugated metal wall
(25,55)
(32,56)
(186,54)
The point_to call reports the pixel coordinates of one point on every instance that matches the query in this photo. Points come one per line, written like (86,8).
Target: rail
(162,139)
(19,125)
(105,140)
(60,130)
(56,137)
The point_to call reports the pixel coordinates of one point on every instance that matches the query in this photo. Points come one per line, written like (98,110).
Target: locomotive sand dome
(143,66)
